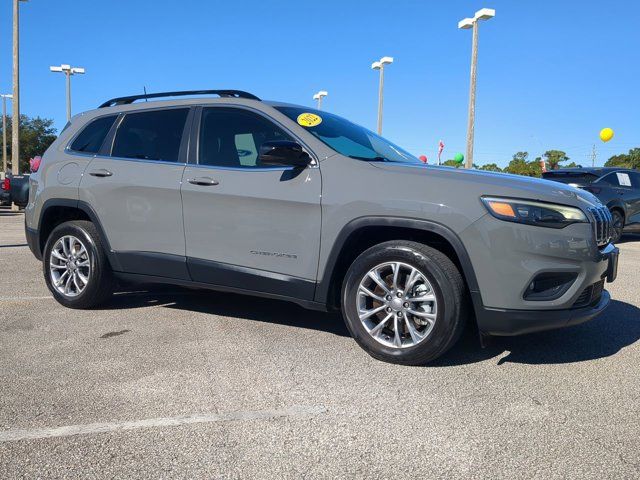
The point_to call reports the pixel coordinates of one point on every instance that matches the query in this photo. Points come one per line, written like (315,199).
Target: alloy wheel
(397,305)
(69,266)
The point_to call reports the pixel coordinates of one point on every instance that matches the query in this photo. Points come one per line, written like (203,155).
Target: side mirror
(283,153)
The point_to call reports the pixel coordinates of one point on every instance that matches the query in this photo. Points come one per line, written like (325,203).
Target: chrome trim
(242,169)
(602,224)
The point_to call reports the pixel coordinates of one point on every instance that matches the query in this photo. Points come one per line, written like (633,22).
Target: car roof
(599,171)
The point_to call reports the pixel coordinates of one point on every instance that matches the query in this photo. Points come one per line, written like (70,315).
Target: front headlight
(533,213)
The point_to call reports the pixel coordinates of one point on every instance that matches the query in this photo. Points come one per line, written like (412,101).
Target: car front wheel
(618,225)
(404,302)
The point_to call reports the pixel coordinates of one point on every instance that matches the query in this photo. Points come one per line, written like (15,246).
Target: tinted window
(617,179)
(232,138)
(635,179)
(91,138)
(610,179)
(154,135)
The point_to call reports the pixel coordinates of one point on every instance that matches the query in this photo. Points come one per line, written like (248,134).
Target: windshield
(347,138)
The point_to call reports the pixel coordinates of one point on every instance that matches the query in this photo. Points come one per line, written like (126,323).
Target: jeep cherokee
(237,194)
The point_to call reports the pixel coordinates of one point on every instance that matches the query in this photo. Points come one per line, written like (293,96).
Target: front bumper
(508,322)
(493,321)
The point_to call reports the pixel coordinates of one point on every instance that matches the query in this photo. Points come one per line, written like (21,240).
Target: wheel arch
(59,210)
(364,232)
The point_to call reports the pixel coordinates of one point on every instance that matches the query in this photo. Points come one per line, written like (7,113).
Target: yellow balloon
(606,134)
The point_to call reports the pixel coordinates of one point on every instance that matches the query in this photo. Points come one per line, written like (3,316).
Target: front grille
(602,225)
(590,295)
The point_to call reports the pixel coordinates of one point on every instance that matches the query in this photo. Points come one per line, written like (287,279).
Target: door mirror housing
(283,153)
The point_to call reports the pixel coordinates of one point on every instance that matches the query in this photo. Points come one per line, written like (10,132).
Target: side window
(610,179)
(635,179)
(153,135)
(232,137)
(91,138)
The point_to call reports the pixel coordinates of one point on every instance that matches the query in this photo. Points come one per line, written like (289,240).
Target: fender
(323,286)
(619,204)
(88,210)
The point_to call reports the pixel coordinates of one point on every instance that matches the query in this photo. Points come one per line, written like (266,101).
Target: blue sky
(551,74)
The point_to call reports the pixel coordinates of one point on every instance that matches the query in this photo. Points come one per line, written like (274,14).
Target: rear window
(571,177)
(154,135)
(91,138)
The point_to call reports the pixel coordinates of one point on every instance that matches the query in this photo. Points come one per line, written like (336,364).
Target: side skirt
(141,278)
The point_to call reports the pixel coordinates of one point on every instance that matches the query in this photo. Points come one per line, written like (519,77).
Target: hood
(497,184)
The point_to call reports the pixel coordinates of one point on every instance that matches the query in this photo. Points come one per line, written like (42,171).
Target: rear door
(634,200)
(249,227)
(133,185)
(621,192)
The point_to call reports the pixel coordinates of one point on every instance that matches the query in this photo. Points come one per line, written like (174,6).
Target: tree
(491,167)
(625,160)
(520,166)
(452,163)
(553,158)
(36,134)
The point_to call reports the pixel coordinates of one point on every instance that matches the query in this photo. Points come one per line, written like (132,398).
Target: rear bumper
(33,240)
(493,321)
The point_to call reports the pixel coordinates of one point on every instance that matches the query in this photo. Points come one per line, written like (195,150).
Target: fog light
(549,286)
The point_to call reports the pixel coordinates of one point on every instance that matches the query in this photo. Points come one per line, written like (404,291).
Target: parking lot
(168,382)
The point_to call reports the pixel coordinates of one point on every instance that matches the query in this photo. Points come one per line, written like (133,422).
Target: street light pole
(319,96)
(4,130)
(68,70)
(483,14)
(379,65)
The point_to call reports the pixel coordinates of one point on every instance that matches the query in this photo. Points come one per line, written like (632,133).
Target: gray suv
(283,201)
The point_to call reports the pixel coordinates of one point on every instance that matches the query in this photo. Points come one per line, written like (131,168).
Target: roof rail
(221,93)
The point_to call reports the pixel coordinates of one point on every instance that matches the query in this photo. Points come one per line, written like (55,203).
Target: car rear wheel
(76,267)
(618,225)
(404,302)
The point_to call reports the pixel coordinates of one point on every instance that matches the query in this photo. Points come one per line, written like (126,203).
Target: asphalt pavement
(177,383)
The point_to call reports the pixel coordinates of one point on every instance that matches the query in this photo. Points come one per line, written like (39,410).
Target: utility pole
(68,70)
(483,14)
(379,65)
(4,131)
(15,118)
(594,156)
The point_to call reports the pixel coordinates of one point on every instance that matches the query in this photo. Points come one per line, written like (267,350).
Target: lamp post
(319,96)
(4,130)
(15,115)
(379,65)
(483,14)
(68,70)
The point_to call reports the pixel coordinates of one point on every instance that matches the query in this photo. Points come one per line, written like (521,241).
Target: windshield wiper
(370,159)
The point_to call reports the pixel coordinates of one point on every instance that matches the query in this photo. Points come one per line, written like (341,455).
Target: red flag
(440,149)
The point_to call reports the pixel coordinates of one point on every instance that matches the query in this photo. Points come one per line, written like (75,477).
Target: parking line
(299,411)
(24,299)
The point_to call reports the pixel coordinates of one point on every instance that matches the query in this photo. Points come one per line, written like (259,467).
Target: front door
(134,188)
(249,227)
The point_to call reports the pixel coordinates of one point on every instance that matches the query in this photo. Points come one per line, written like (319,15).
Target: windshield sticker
(309,119)
(623,179)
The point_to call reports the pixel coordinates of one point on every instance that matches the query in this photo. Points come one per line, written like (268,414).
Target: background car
(617,188)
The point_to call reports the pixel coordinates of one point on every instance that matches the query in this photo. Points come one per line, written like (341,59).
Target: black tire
(618,225)
(101,283)
(449,289)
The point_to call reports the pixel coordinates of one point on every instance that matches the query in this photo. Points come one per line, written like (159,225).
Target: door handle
(203,181)
(101,173)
